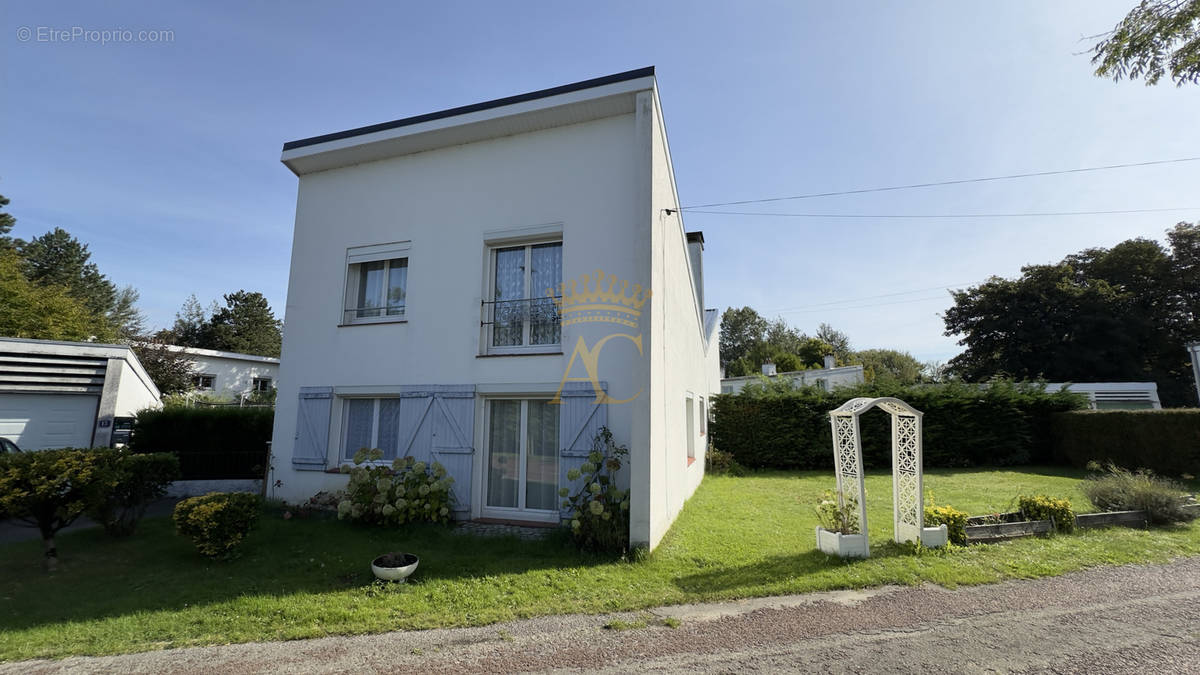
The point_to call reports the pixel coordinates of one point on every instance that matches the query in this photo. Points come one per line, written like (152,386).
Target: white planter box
(933,537)
(844,545)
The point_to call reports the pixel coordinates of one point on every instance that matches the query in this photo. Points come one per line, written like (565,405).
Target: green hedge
(1165,441)
(210,442)
(964,425)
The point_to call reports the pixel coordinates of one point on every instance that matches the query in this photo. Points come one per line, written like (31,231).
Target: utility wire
(939,287)
(944,215)
(945,182)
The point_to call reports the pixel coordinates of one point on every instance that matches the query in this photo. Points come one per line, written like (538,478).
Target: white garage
(68,394)
(36,421)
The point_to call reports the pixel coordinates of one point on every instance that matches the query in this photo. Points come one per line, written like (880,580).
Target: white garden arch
(907,512)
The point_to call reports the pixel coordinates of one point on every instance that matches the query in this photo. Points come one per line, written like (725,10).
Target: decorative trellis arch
(907,511)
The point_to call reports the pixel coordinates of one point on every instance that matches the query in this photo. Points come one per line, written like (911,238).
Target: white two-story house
(487,287)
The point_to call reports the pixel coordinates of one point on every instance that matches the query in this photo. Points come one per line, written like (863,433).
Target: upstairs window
(376,284)
(522,316)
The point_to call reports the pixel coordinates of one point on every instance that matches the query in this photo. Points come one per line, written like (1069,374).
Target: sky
(163,154)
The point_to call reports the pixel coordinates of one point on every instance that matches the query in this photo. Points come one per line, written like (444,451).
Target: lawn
(737,537)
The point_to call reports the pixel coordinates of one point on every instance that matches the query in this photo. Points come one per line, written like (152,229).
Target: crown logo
(598,298)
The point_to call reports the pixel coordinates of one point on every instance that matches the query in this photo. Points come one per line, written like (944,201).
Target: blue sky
(164,157)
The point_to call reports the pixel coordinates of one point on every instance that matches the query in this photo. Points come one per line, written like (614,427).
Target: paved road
(1136,619)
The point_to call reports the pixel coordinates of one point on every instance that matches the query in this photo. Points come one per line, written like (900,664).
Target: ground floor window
(204,382)
(371,423)
(522,455)
(261,384)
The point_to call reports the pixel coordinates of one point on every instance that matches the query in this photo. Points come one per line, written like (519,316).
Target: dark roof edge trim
(695,236)
(474,107)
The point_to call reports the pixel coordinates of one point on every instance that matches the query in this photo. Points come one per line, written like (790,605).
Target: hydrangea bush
(838,512)
(408,491)
(599,510)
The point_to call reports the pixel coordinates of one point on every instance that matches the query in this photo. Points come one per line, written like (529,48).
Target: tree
(58,259)
(6,225)
(836,339)
(889,366)
(170,370)
(192,327)
(1155,37)
(741,330)
(1119,314)
(247,325)
(42,312)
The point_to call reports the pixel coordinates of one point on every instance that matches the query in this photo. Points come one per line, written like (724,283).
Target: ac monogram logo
(595,300)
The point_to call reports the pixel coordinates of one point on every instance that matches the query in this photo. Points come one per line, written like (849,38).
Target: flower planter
(1138,519)
(844,545)
(983,534)
(394,566)
(933,537)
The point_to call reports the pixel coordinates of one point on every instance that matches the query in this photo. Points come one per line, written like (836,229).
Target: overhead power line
(940,287)
(1038,214)
(944,182)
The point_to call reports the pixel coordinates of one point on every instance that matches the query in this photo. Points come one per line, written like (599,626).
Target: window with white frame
(524,281)
(703,417)
(690,416)
(376,283)
(370,423)
(204,382)
(262,384)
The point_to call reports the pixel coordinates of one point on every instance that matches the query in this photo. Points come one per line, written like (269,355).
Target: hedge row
(1165,441)
(964,425)
(210,442)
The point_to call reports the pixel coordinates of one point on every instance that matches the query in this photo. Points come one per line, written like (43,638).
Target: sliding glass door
(521,474)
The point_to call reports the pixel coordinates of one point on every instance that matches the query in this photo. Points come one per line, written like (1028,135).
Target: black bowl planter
(395,566)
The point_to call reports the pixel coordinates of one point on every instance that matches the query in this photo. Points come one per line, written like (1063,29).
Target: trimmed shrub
(1041,507)
(954,520)
(964,425)
(408,491)
(721,463)
(130,483)
(49,489)
(1164,441)
(1119,489)
(211,443)
(218,521)
(599,511)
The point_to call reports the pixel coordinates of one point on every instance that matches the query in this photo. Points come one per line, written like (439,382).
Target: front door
(520,480)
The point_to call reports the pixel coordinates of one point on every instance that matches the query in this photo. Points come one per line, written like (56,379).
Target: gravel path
(1132,619)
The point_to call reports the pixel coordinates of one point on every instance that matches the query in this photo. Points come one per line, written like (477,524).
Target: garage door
(40,421)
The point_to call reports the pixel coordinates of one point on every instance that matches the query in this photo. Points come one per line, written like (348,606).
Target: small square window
(377,290)
(204,382)
(262,384)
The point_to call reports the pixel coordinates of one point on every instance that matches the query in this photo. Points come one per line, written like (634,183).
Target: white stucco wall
(136,391)
(234,376)
(448,202)
(603,185)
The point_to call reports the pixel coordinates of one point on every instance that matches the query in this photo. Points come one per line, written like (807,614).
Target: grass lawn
(737,537)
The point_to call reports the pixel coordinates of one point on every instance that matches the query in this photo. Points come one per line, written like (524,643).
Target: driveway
(1133,619)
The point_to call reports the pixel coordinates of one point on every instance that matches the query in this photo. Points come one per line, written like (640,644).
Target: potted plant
(394,566)
(839,534)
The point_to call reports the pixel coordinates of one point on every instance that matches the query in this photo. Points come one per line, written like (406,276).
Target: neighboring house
(1113,395)
(827,378)
(418,320)
(230,374)
(70,394)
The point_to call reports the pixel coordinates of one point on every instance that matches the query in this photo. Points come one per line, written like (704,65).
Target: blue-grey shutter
(311,446)
(437,423)
(578,423)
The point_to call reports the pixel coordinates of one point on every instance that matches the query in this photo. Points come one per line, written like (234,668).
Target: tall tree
(37,311)
(57,258)
(1119,314)
(741,330)
(246,324)
(170,370)
(7,221)
(889,366)
(836,339)
(192,326)
(1155,37)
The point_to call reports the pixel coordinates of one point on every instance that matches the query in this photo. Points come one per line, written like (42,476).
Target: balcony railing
(521,322)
